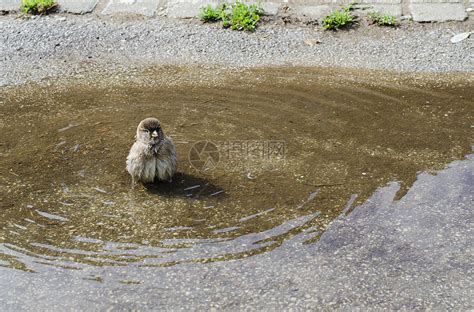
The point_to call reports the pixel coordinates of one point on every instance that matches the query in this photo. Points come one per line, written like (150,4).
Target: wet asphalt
(415,253)
(410,254)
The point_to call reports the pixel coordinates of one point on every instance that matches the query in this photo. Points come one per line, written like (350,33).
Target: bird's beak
(154,134)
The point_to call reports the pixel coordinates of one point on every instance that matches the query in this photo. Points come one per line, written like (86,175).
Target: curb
(419,10)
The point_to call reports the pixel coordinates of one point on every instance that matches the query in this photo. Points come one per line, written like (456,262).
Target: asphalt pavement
(415,253)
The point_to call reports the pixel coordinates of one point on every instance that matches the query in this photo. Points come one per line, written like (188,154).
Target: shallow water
(295,149)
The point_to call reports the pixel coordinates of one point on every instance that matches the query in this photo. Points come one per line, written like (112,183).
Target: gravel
(59,45)
(360,262)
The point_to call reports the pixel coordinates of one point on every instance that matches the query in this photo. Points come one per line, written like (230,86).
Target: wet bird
(153,155)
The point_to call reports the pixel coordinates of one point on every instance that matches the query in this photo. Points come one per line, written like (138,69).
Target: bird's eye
(146,131)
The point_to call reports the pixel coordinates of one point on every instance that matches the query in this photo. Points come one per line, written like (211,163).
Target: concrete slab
(314,11)
(182,9)
(9,5)
(438,12)
(141,7)
(77,6)
(270,8)
(392,9)
(69,6)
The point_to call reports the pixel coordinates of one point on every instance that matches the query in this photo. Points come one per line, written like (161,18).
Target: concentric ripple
(296,148)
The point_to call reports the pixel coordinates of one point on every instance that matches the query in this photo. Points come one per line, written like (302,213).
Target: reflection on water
(66,199)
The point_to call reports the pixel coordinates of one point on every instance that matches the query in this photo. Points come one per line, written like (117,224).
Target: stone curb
(420,10)
(66,6)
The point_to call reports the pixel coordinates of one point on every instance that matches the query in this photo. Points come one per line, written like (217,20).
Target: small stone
(76,148)
(312,42)
(460,37)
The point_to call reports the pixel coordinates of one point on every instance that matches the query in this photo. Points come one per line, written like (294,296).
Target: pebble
(162,41)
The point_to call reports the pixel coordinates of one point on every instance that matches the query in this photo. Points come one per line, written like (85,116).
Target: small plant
(38,6)
(238,16)
(339,18)
(382,19)
(224,15)
(209,14)
(245,17)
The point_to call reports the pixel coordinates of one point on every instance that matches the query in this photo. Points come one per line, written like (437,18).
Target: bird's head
(149,131)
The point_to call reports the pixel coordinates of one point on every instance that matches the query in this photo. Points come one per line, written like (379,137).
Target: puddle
(295,148)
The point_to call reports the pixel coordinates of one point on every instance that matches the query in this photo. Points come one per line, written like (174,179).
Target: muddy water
(296,148)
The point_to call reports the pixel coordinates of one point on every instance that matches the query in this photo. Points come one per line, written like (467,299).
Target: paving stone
(392,9)
(436,1)
(142,7)
(9,5)
(421,10)
(315,11)
(180,9)
(69,6)
(438,12)
(77,6)
(375,2)
(270,8)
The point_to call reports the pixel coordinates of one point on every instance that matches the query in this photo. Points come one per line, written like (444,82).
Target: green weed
(382,19)
(224,14)
(208,14)
(339,18)
(238,16)
(38,6)
(245,17)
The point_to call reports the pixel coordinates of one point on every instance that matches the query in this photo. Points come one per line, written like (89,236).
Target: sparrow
(153,155)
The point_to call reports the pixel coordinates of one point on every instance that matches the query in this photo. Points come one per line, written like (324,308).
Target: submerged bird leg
(134,183)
